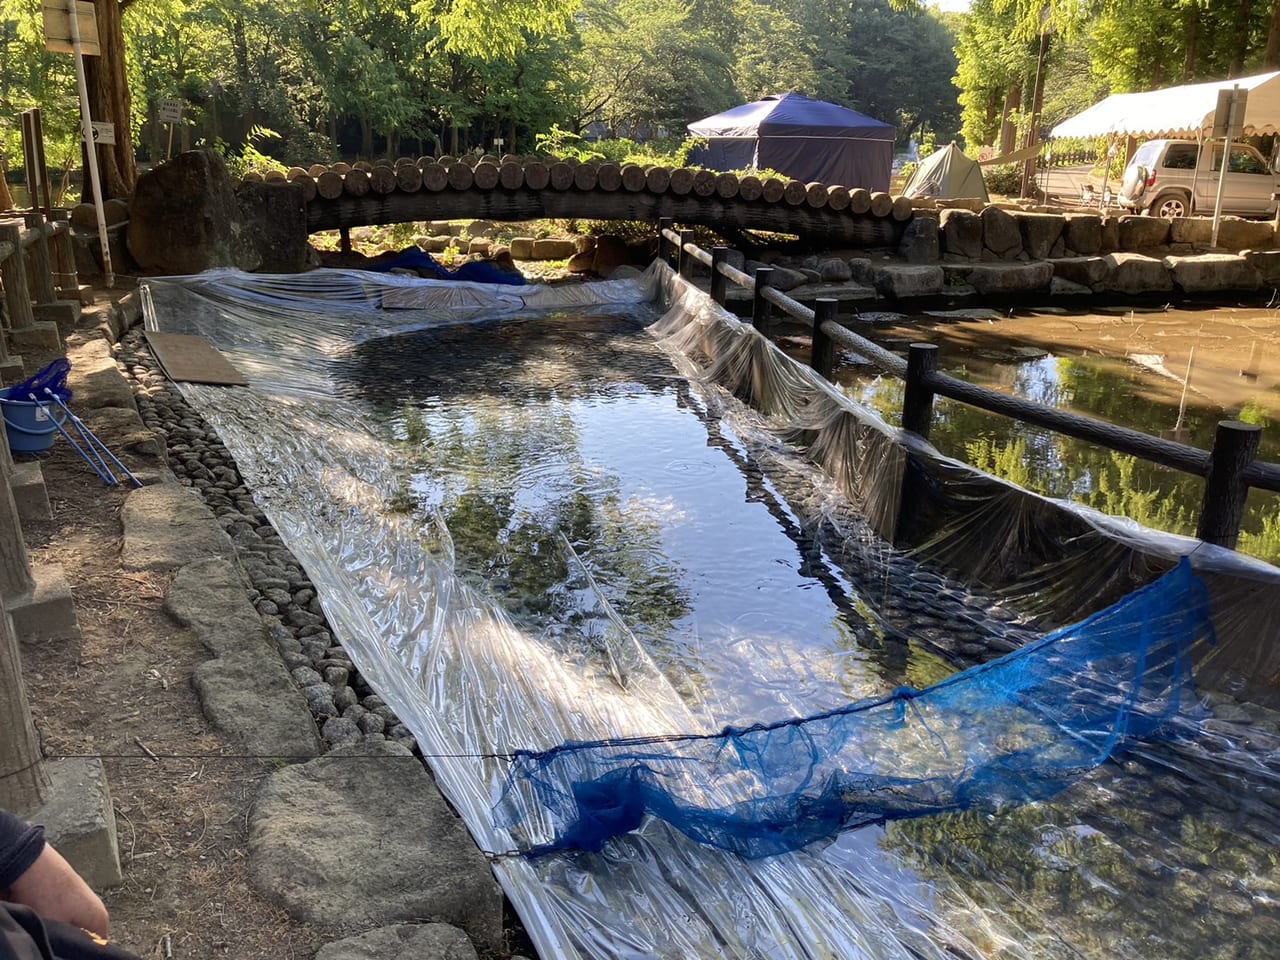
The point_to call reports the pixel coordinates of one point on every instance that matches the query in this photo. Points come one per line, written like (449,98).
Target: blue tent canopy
(803,138)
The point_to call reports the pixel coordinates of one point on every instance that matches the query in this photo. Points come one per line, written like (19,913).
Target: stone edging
(227,559)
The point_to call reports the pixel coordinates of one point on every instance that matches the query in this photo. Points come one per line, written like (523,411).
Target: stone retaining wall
(1013,252)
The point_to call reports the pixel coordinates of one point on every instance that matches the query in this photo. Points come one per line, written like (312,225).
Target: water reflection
(1130,369)
(547,432)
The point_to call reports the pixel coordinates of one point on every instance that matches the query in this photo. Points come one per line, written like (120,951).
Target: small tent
(802,138)
(948,173)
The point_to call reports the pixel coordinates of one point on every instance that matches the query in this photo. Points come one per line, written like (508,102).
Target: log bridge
(342,196)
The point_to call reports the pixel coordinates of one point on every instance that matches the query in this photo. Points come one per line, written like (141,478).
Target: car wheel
(1168,206)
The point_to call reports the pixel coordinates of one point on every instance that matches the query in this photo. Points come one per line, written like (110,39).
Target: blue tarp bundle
(1011,731)
(474,271)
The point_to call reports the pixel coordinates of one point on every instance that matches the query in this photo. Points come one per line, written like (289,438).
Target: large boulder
(1266,262)
(1132,273)
(1237,234)
(1212,272)
(1082,233)
(1000,233)
(1040,233)
(961,233)
(1143,233)
(184,218)
(906,282)
(919,243)
(1085,271)
(361,838)
(274,216)
(994,279)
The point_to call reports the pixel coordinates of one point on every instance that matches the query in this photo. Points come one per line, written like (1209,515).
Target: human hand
(52,888)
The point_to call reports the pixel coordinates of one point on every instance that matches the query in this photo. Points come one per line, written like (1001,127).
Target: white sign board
(170,111)
(57,28)
(103,133)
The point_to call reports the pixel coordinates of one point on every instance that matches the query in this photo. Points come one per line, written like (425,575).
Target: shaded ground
(125,689)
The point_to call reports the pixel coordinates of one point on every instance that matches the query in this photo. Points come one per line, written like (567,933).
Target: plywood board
(188,359)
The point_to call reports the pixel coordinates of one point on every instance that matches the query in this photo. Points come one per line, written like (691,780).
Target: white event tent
(1185,111)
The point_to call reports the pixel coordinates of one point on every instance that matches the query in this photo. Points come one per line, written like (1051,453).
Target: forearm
(53,889)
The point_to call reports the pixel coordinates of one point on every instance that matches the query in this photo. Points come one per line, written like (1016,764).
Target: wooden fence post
(24,783)
(685,258)
(917,401)
(759,305)
(39,273)
(719,282)
(822,356)
(1234,447)
(66,277)
(664,245)
(13,275)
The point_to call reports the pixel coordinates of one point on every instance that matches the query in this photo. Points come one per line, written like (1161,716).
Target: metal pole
(759,305)
(822,354)
(917,402)
(1226,164)
(719,282)
(1234,447)
(90,147)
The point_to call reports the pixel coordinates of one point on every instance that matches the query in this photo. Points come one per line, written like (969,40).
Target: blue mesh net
(53,376)
(1011,731)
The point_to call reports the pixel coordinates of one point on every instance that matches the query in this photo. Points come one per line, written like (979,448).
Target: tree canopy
(312,80)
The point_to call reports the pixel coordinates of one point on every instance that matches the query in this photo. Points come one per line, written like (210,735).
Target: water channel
(530,528)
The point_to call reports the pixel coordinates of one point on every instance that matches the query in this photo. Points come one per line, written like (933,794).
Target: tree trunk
(1037,102)
(109,101)
(1241,39)
(1008,130)
(366,137)
(6,200)
(1192,33)
(1272,57)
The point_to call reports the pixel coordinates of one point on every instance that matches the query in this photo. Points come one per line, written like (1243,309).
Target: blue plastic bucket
(30,426)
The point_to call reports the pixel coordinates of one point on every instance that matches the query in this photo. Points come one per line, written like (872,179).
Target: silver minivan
(1164,179)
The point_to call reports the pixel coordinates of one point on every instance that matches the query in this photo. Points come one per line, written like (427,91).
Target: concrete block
(47,611)
(80,822)
(41,335)
(82,292)
(30,495)
(65,314)
(12,370)
(522,248)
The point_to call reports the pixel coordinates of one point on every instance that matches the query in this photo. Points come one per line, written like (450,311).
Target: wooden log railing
(341,196)
(37,265)
(1230,469)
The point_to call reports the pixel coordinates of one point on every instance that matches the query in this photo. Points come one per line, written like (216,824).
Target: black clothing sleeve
(25,935)
(20,845)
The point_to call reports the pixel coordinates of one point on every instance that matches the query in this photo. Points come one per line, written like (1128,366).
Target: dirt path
(122,693)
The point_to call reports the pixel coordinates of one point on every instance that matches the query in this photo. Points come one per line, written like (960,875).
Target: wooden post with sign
(170,113)
(71,26)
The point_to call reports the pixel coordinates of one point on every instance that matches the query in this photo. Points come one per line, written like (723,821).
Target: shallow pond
(594,493)
(1167,372)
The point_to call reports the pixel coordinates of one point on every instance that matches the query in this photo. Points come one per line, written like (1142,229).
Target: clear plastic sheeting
(528,531)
